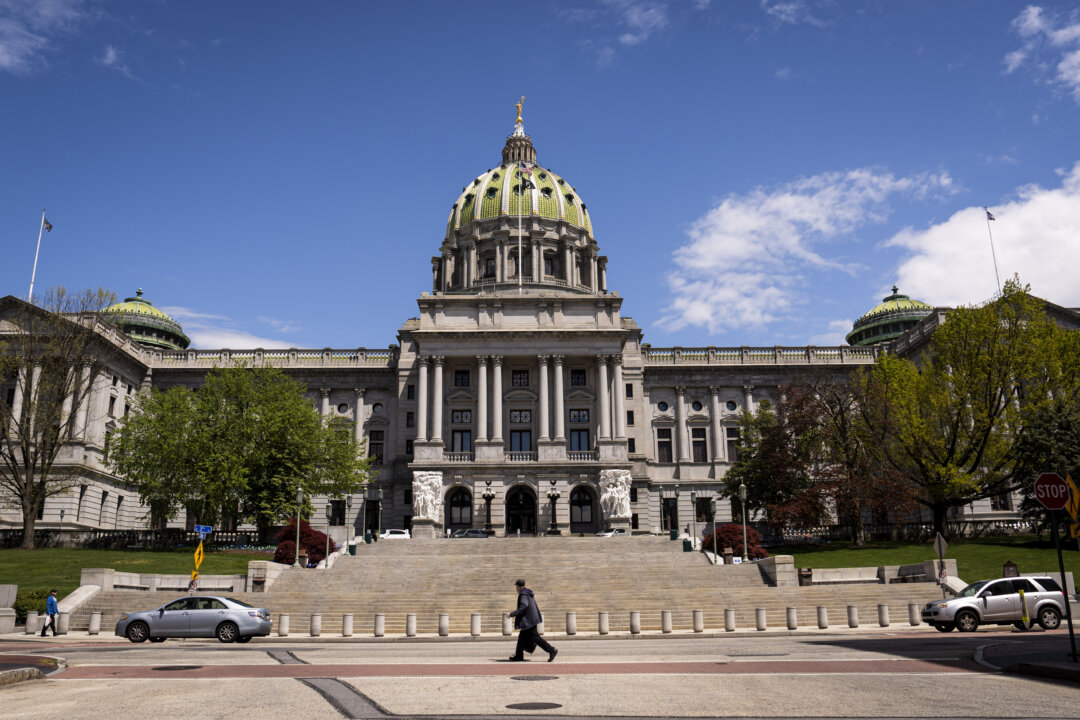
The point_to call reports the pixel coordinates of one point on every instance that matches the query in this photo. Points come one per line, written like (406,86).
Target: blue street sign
(204,529)
(202,536)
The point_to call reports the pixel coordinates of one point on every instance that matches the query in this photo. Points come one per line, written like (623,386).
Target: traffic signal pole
(1064,584)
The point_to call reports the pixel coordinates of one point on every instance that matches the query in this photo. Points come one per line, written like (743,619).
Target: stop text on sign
(1051,491)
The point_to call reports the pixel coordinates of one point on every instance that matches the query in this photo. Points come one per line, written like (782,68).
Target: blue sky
(279,174)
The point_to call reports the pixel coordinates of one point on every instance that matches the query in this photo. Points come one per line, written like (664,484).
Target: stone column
(568,263)
(544,398)
(446,270)
(592,274)
(422,400)
(497,398)
(32,398)
(86,395)
(680,424)
(748,397)
(537,260)
(437,404)
(17,402)
(482,398)
(560,414)
(603,276)
(620,393)
(358,414)
(604,402)
(470,266)
(500,260)
(324,404)
(718,444)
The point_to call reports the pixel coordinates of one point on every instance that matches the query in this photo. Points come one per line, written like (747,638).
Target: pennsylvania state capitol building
(520,396)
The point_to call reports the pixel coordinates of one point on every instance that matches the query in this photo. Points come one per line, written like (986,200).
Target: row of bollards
(602,622)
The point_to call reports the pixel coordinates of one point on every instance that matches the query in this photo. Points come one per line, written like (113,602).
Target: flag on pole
(526,175)
(46,224)
(989,215)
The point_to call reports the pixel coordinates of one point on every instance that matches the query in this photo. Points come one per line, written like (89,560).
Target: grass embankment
(976,559)
(59,568)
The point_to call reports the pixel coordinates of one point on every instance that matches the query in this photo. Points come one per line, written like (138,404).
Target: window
(703,511)
(732,444)
(112,406)
(11,397)
(549,263)
(698,445)
(375,446)
(460,507)
(521,416)
(580,415)
(489,267)
(731,405)
(662,406)
(462,417)
(577,377)
(115,381)
(410,392)
(629,417)
(126,408)
(631,446)
(408,447)
(410,419)
(633,522)
(581,506)
(579,441)
(520,440)
(1001,502)
(337,512)
(461,441)
(407,499)
(629,390)
(491,193)
(461,378)
(108,442)
(101,508)
(343,408)
(546,192)
(633,494)
(377,408)
(663,445)
(519,378)
(696,405)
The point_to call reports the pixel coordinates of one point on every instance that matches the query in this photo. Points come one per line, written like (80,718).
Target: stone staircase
(582,575)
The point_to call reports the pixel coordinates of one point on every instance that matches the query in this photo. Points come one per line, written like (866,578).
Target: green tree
(235,449)
(953,421)
(50,352)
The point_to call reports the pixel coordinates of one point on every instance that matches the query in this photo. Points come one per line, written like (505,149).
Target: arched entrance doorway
(458,509)
(520,511)
(584,513)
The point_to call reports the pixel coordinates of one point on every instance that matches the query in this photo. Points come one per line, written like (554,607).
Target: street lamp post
(378,528)
(61,517)
(553,495)
(693,517)
(489,496)
(329,514)
(716,557)
(363,515)
(675,515)
(299,499)
(742,497)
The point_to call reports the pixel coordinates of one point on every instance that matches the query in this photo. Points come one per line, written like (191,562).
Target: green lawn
(59,568)
(976,559)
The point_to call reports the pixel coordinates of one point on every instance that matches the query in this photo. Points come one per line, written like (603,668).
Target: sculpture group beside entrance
(427,503)
(615,497)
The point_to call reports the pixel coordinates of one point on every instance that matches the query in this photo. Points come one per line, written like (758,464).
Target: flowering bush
(312,543)
(730,535)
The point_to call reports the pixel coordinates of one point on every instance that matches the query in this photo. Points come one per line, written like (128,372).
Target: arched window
(581,506)
(460,507)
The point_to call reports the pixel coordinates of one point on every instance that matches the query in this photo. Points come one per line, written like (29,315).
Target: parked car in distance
(997,602)
(612,532)
(393,534)
(469,533)
(207,616)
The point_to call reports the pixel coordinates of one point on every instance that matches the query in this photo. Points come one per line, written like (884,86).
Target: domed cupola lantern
(891,318)
(145,324)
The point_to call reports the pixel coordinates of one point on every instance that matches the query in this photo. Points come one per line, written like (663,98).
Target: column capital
(617,358)
(603,359)
(438,360)
(423,360)
(558,359)
(679,390)
(714,390)
(325,392)
(497,360)
(543,359)
(360,392)
(748,389)
(482,359)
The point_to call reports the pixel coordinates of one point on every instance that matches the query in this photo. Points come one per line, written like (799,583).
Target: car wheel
(157,639)
(1049,618)
(138,632)
(243,639)
(227,632)
(1021,626)
(967,621)
(944,627)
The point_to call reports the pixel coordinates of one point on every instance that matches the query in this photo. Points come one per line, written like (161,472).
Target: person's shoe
(515,658)
(552,654)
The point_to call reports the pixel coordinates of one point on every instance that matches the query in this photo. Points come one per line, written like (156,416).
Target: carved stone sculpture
(427,495)
(615,493)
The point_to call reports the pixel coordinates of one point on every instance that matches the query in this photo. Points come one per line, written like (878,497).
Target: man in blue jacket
(51,611)
(526,618)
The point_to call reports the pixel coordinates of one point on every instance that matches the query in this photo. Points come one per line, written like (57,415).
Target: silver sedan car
(207,616)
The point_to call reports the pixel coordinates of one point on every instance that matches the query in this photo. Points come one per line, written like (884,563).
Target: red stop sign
(1051,491)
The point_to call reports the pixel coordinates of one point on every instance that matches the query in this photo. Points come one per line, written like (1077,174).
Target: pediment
(697,417)
(521,395)
(663,419)
(580,395)
(461,396)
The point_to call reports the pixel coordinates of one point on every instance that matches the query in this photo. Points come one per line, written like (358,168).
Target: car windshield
(239,602)
(973,588)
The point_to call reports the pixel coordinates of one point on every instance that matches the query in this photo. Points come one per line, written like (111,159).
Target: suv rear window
(1024,584)
(1050,584)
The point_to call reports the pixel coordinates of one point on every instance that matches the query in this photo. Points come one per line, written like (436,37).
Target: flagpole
(33,274)
(992,251)
(521,197)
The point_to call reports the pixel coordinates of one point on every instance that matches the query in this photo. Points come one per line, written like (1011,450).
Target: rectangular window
(521,440)
(461,378)
(410,392)
(410,419)
(408,497)
(462,417)
(521,416)
(698,445)
(408,447)
(732,444)
(112,406)
(337,512)
(489,267)
(579,441)
(634,522)
(11,397)
(549,265)
(577,377)
(631,446)
(519,378)
(115,381)
(633,494)
(1001,502)
(108,442)
(125,409)
(101,508)
(579,416)
(375,446)
(629,390)
(663,445)
(630,417)
(461,441)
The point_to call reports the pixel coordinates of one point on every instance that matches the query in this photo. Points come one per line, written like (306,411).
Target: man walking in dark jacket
(526,618)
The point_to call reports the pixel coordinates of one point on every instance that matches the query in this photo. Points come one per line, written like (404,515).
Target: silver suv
(997,602)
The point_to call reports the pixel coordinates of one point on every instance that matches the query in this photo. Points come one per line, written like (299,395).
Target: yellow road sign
(194,574)
(1074,529)
(1073,505)
(199,554)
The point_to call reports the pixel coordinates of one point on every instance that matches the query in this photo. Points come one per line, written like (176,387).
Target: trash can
(806,576)
(673,534)
(367,536)
(352,549)
(687,546)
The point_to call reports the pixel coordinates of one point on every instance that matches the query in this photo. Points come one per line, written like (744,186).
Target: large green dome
(138,318)
(889,319)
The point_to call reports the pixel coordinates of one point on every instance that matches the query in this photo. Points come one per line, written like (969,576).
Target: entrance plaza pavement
(896,671)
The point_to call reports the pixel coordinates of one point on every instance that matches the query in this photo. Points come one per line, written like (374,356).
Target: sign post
(940,546)
(1053,493)
(203,531)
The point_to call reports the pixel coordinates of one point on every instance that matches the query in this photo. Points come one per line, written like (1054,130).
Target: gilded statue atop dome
(518,106)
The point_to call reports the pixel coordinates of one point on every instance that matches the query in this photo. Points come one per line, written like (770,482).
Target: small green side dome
(889,319)
(145,324)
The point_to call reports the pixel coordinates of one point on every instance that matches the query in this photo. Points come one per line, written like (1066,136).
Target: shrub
(312,543)
(29,601)
(730,535)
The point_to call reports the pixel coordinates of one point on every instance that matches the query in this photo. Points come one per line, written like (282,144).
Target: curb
(1057,672)
(10,677)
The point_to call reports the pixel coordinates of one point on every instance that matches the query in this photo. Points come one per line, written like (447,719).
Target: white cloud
(217,331)
(29,27)
(1013,60)
(1044,35)
(744,263)
(783,74)
(643,19)
(282,326)
(835,335)
(113,58)
(1036,235)
(791,12)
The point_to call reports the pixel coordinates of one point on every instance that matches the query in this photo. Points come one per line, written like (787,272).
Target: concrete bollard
(913,617)
(635,622)
(444,625)
(410,625)
(380,624)
(822,617)
(853,616)
(729,620)
(792,619)
(32,623)
(665,622)
(283,624)
(759,619)
(508,625)
(699,621)
(95,623)
(63,622)
(602,622)
(883,615)
(346,625)
(316,625)
(571,623)
(474,625)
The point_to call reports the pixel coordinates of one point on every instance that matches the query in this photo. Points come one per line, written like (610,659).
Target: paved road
(879,675)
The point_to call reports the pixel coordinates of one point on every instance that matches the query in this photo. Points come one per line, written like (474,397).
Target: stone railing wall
(778,355)
(291,358)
